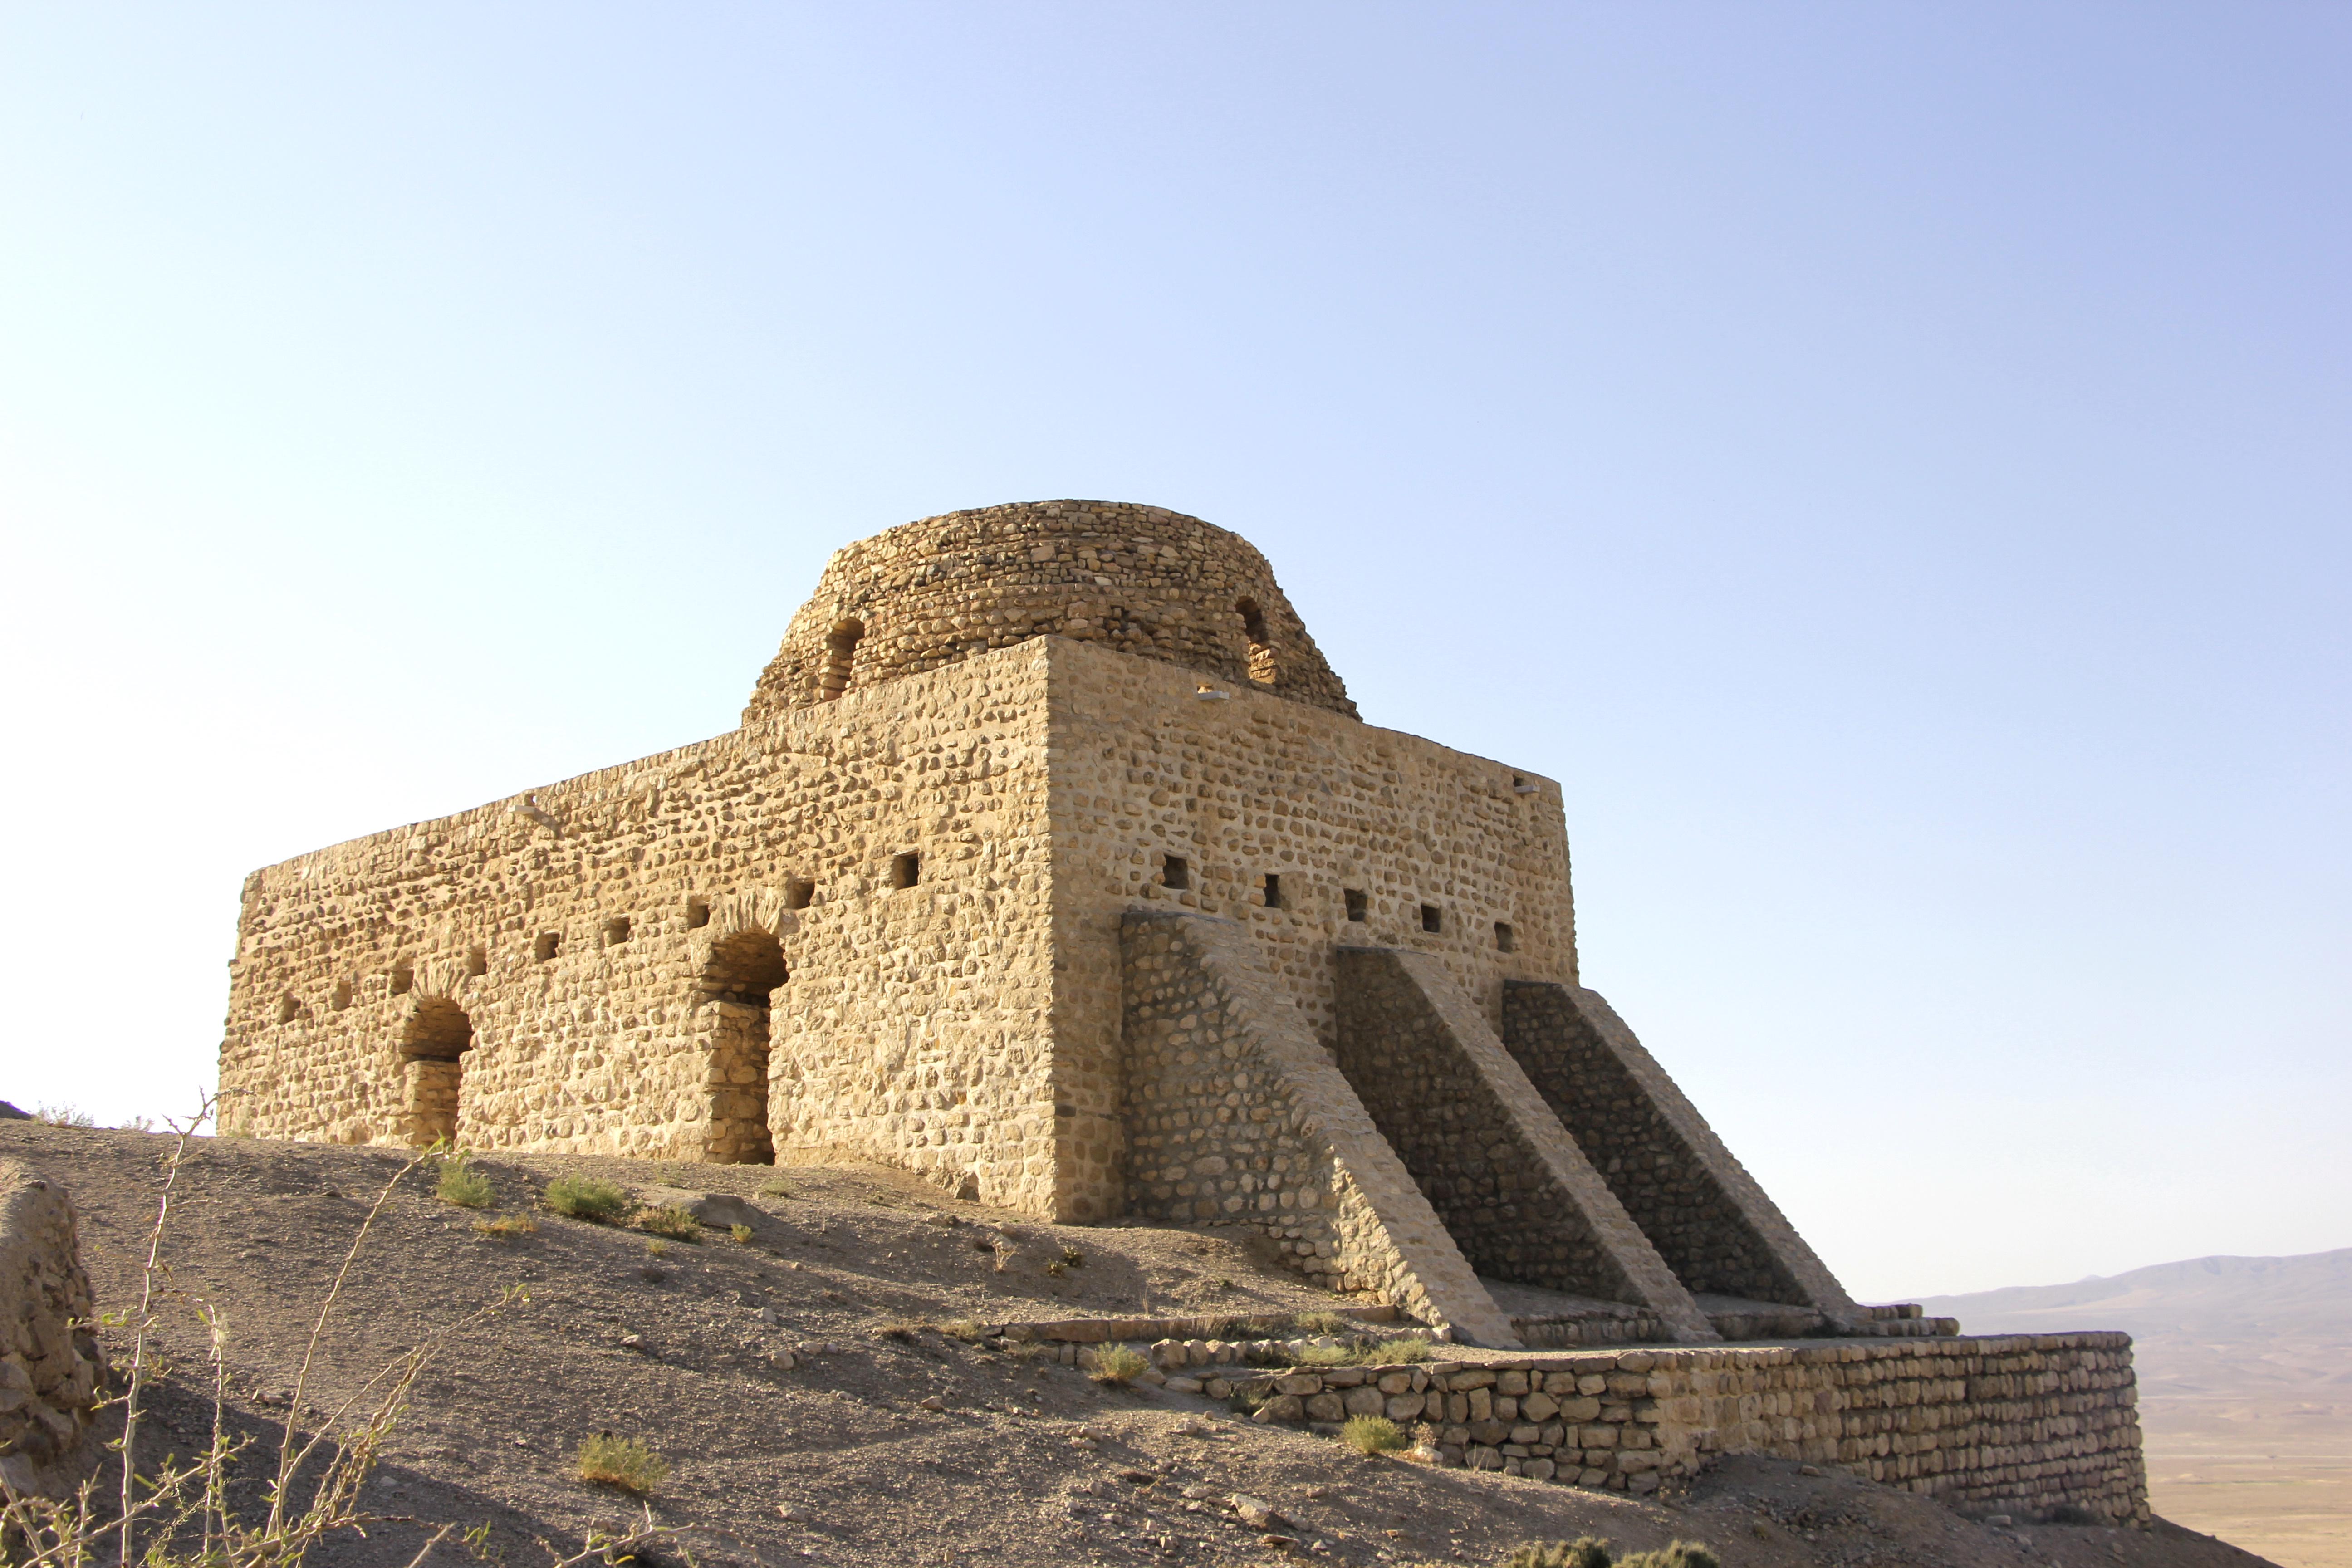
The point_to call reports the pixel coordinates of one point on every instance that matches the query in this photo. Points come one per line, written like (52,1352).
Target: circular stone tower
(1139,579)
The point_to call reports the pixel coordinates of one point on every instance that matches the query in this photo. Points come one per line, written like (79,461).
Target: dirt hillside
(808,1416)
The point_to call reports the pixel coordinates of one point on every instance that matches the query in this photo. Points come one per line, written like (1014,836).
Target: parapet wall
(2031,1422)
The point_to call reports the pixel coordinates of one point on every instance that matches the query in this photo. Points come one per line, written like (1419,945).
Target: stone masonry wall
(49,1364)
(1139,579)
(1248,785)
(1709,1246)
(1485,1161)
(1712,1222)
(1235,1117)
(2031,1422)
(576,930)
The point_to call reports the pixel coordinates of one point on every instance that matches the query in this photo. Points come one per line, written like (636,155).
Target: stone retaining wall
(2031,1422)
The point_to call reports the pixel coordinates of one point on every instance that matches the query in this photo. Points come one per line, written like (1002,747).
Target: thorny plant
(194,1512)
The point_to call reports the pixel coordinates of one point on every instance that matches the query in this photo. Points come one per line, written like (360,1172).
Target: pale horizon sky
(1889,463)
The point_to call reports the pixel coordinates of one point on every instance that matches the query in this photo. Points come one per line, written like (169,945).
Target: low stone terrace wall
(2032,1422)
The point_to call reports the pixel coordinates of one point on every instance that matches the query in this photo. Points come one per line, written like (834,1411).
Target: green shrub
(1674,1554)
(678,1224)
(622,1462)
(1584,1552)
(1120,1365)
(585,1197)
(778,1188)
(1071,1256)
(1326,1355)
(1370,1435)
(1391,1352)
(461,1184)
(742,1232)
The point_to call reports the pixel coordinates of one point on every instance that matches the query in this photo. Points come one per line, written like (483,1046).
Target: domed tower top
(1139,579)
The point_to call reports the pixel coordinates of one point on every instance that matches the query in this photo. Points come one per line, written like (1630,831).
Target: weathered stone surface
(49,1364)
(1139,579)
(2038,1421)
(1514,1192)
(1695,1202)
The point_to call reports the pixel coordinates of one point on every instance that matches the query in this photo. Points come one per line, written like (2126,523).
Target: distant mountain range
(2240,1300)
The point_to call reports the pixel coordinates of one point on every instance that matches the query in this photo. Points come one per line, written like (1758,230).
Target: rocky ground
(809,1412)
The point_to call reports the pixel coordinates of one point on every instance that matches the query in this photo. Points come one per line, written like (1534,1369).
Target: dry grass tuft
(507,1226)
(1584,1552)
(671,1221)
(623,1462)
(1324,1323)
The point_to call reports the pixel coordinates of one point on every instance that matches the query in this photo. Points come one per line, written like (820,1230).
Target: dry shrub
(1120,1365)
(623,1462)
(1392,1352)
(1584,1552)
(585,1197)
(1370,1435)
(671,1221)
(1674,1554)
(1323,1323)
(461,1184)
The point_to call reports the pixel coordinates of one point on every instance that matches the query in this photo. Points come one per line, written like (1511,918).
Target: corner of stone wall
(1393,1000)
(1236,1116)
(49,1364)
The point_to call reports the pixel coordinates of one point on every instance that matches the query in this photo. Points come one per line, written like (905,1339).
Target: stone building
(1052,861)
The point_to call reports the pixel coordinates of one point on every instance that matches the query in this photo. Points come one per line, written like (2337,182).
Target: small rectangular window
(1431,919)
(478,960)
(906,870)
(1273,891)
(1175,873)
(1504,939)
(797,894)
(543,950)
(697,912)
(616,930)
(1359,906)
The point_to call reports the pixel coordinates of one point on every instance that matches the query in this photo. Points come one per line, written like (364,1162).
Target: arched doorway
(432,1044)
(738,982)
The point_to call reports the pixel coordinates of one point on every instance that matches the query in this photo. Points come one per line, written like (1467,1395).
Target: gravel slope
(843,1458)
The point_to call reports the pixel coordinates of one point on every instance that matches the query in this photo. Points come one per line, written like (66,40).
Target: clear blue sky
(1890,461)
